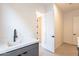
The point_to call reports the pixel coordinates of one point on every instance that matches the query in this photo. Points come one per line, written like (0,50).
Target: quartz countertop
(6,48)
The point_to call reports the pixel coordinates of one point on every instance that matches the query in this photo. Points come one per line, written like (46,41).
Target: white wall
(68,26)
(21,17)
(1,30)
(58,26)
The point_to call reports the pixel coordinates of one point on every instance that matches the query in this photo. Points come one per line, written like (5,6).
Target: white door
(75,29)
(48,42)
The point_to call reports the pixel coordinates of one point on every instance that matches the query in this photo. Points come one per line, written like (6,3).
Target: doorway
(45,30)
(75,29)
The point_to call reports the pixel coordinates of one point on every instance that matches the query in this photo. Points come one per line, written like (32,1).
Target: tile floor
(63,50)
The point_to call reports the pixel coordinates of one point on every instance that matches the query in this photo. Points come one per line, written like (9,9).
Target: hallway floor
(63,50)
(44,52)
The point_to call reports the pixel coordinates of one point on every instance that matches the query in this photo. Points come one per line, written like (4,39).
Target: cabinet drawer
(20,50)
(32,52)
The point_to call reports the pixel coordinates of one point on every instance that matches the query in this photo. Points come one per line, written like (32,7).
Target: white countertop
(6,48)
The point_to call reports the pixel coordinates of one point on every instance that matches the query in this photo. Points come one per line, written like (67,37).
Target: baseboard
(59,44)
(70,44)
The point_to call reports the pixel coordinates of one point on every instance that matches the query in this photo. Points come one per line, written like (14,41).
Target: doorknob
(74,34)
(53,36)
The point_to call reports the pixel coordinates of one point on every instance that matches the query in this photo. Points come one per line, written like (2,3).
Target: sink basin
(14,43)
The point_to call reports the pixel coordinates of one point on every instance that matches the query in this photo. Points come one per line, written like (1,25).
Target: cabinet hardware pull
(24,52)
(19,55)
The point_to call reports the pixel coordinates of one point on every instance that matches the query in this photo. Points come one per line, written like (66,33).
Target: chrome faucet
(15,35)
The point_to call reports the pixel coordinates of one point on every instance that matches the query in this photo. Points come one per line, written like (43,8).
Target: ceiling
(68,6)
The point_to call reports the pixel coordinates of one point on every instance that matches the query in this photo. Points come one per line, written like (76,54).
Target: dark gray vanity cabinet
(30,50)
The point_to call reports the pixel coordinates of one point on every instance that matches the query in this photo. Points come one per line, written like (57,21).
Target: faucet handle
(15,33)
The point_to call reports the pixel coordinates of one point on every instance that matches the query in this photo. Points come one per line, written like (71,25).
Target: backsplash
(11,21)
